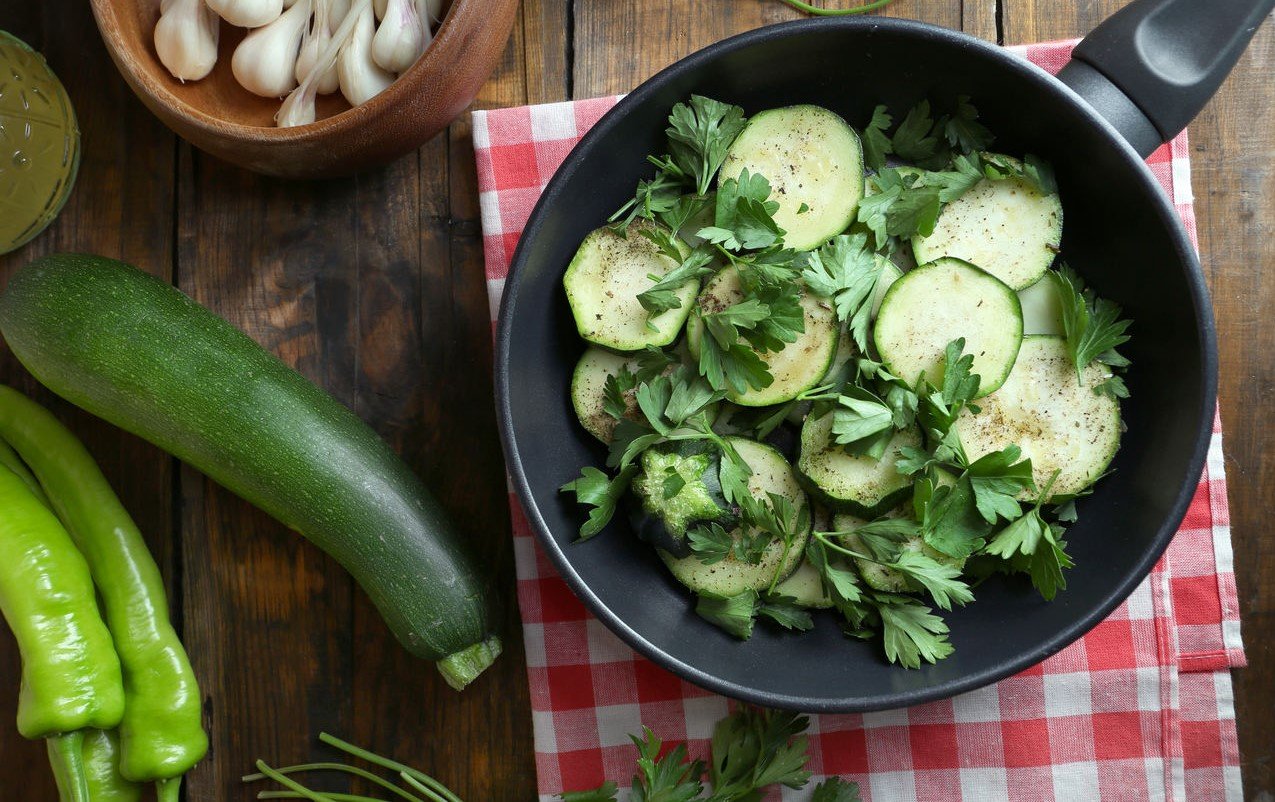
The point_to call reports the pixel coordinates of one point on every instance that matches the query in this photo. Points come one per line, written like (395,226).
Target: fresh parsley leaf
(1033,546)
(803,208)
(630,439)
(767,319)
(1091,325)
(663,295)
(734,614)
(846,270)
(700,133)
(951,521)
(872,214)
(914,212)
(911,632)
(615,392)
(785,611)
(595,489)
(839,583)
(997,479)
(963,130)
(1034,170)
(753,749)
(744,215)
(1066,511)
(941,580)
(876,144)
(835,789)
(603,793)
(913,141)
(862,423)
(682,211)
(653,196)
(951,184)
(652,362)
(710,542)
(667,779)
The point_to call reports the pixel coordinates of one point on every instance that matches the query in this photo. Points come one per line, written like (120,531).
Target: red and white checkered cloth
(1141,708)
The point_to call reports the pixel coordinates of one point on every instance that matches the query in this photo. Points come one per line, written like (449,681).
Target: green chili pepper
(161,735)
(71,675)
(101,759)
(10,459)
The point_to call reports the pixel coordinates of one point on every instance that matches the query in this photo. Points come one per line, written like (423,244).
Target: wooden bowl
(219,116)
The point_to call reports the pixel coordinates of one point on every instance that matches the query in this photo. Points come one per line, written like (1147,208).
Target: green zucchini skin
(144,356)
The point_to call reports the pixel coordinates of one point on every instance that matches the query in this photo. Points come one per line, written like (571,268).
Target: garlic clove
(401,37)
(265,61)
(247,13)
(298,107)
(431,11)
(186,38)
(337,9)
(312,47)
(361,78)
(380,6)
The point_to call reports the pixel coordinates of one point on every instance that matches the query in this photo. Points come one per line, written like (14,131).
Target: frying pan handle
(1153,65)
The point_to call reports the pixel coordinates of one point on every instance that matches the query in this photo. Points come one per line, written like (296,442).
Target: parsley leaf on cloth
(835,789)
(754,749)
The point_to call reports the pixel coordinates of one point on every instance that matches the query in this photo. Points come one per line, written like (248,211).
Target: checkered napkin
(1140,708)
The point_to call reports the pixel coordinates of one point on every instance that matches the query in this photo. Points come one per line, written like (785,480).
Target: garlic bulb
(186,38)
(247,13)
(361,78)
(298,107)
(401,37)
(265,61)
(312,47)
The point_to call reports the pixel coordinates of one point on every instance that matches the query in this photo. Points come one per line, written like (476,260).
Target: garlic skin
(361,78)
(186,38)
(401,37)
(312,47)
(265,61)
(247,13)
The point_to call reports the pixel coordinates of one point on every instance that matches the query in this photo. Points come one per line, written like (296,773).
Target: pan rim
(1160,205)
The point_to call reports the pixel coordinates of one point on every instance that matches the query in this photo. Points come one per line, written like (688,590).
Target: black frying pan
(1134,83)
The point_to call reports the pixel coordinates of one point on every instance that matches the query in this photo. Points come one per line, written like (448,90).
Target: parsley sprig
(751,750)
(1093,329)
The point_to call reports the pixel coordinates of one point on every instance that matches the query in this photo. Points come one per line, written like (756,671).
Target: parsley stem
(838,12)
(823,537)
(290,784)
(392,765)
(356,771)
(332,795)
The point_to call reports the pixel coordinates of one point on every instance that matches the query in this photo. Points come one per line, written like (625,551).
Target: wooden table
(373,288)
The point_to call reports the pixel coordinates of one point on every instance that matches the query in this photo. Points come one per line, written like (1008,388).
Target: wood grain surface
(373,288)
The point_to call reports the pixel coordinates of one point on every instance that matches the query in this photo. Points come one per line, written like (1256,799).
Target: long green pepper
(161,733)
(100,757)
(71,678)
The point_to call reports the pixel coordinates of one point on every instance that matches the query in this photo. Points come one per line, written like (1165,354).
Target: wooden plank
(121,207)
(1233,172)
(607,62)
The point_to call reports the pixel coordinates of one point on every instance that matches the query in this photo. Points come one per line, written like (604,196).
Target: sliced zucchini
(856,484)
(1042,307)
(814,163)
(730,577)
(662,519)
(588,383)
(878,576)
(939,302)
(806,586)
(798,367)
(890,273)
(1008,227)
(604,279)
(1059,423)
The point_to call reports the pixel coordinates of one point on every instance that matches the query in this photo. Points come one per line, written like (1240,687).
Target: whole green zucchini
(139,353)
